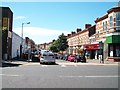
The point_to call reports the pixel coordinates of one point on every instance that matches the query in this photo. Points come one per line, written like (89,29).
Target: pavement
(88,62)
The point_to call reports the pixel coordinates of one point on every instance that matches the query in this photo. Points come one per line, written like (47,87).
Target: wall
(16,41)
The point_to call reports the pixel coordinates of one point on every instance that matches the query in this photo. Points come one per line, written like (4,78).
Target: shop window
(110,51)
(117,21)
(117,51)
(114,50)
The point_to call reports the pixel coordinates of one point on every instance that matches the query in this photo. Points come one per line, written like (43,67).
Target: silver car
(47,57)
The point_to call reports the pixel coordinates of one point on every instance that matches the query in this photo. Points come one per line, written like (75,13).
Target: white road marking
(44,65)
(89,76)
(63,65)
(103,76)
(9,75)
(75,65)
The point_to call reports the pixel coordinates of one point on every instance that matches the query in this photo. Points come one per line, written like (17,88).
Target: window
(106,25)
(98,34)
(5,23)
(103,26)
(111,21)
(117,21)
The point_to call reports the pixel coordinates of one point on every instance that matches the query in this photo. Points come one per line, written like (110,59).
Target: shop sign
(92,47)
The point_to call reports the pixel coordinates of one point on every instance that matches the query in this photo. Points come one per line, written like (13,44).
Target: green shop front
(113,42)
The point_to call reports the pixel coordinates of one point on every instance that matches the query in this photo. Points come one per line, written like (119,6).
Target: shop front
(91,51)
(113,42)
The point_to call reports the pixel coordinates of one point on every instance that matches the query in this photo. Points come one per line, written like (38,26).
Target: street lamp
(21,45)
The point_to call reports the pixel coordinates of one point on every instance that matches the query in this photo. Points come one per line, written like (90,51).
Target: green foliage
(60,44)
(53,47)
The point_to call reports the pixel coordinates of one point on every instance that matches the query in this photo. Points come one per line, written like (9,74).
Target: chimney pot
(78,30)
(72,33)
(87,25)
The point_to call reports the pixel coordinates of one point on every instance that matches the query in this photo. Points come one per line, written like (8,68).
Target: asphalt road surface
(60,76)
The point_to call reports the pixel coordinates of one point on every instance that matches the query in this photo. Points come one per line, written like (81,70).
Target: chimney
(72,33)
(68,35)
(87,25)
(78,30)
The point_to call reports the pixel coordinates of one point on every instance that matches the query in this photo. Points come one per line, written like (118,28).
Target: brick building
(30,44)
(77,40)
(44,46)
(108,31)
(103,38)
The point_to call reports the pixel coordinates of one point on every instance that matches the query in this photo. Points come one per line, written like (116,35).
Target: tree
(60,44)
(54,47)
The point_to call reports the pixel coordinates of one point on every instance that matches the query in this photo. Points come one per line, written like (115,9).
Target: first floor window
(117,21)
(111,21)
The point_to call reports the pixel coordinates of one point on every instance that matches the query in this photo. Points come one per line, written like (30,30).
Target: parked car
(78,58)
(35,56)
(47,57)
(60,56)
(57,56)
(83,58)
(71,58)
(65,57)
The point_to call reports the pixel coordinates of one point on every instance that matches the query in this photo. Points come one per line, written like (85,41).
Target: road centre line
(89,76)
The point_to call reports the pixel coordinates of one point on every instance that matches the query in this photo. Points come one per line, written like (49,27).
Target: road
(60,76)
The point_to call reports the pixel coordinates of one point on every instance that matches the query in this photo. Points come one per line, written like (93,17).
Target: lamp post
(21,45)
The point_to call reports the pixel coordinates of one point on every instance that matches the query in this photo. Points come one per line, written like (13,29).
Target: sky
(48,20)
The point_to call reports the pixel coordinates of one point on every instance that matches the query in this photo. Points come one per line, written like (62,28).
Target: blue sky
(49,19)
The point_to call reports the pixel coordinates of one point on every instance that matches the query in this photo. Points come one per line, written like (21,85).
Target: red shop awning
(91,47)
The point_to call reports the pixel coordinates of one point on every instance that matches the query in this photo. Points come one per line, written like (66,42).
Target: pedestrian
(101,59)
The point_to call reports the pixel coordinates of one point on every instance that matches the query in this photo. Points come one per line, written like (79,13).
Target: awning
(91,47)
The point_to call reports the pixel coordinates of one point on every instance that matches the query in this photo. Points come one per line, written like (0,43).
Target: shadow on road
(10,64)
(49,64)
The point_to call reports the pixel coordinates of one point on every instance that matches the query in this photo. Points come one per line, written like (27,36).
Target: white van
(47,57)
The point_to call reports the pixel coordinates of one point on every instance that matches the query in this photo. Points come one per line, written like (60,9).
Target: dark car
(80,58)
(83,59)
(35,56)
(57,56)
(77,58)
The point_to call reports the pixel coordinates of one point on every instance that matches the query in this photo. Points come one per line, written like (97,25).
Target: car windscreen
(48,54)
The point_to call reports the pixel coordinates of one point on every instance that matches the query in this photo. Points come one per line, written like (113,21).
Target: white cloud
(19,17)
(40,35)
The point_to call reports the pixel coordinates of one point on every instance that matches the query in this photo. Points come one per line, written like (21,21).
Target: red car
(71,58)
